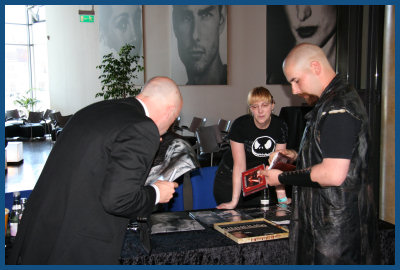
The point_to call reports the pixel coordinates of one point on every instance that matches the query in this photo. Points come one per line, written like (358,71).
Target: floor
(24,176)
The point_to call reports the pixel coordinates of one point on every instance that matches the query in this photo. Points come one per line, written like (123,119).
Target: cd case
(251,182)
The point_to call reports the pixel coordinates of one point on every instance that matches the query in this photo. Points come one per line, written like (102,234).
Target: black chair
(12,115)
(210,141)
(58,121)
(195,124)
(48,121)
(34,126)
(13,123)
(224,125)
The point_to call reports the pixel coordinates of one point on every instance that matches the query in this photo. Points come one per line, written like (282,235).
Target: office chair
(202,181)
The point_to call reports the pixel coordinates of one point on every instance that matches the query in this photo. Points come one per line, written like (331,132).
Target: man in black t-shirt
(334,219)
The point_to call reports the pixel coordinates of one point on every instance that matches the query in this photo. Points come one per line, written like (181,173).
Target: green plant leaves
(118,73)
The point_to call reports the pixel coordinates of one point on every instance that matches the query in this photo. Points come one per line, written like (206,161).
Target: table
(202,248)
(209,247)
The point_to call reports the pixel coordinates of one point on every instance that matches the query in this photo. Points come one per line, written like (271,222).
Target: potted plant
(118,74)
(27,101)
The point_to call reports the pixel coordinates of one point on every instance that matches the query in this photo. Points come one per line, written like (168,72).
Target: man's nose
(295,89)
(303,12)
(196,29)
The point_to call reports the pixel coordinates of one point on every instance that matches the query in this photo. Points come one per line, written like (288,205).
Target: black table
(209,247)
(201,248)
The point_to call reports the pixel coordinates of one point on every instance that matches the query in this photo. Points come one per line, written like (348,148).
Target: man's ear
(222,19)
(170,112)
(316,67)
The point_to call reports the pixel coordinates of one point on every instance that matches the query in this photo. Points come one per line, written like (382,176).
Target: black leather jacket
(334,225)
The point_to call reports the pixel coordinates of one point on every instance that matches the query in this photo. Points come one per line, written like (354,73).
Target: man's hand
(271,176)
(292,154)
(167,190)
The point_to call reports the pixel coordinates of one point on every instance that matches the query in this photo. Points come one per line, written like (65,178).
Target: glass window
(26,65)
(15,14)
(16,73)
(16,34)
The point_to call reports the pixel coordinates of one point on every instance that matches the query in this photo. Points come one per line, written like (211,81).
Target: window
(26,55)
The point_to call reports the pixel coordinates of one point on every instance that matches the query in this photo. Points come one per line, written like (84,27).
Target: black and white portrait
(290,25)
(199,45)
(120,25)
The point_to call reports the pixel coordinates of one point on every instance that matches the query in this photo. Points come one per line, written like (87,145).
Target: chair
(210,140)
(34,126)
(224,125)
(195,124)
(12,115)
(48,120)
(58,122)
(202,181)
(61,120)
(13,123)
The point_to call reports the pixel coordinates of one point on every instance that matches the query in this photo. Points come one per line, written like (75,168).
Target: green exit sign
(87,18)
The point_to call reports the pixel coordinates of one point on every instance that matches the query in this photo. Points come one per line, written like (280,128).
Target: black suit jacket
(90,186)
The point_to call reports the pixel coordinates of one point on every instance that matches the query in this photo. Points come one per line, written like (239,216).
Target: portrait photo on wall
(289,25)
(120,25)
(199,44)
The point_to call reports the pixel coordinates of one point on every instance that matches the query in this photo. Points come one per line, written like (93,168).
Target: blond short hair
(259,94)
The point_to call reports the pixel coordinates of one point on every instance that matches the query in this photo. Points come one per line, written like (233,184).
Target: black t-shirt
(258,143)
(338,135)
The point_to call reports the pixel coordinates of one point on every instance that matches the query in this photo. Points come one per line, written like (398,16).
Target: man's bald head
(303,54)
(307,69)
(163,100)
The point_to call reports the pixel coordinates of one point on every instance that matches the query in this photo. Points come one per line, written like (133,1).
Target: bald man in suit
(93,181)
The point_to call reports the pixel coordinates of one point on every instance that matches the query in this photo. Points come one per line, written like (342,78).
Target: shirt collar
(146,111)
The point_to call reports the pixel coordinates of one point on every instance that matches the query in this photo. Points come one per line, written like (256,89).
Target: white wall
(74,54)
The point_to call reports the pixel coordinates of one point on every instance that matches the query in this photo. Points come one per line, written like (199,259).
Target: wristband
(298,178)
(281,200)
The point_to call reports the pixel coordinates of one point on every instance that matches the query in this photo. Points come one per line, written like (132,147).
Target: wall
(74,54)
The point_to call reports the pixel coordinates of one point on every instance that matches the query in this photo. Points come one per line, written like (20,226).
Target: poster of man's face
(290,25)
(199,45)
(120,25)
